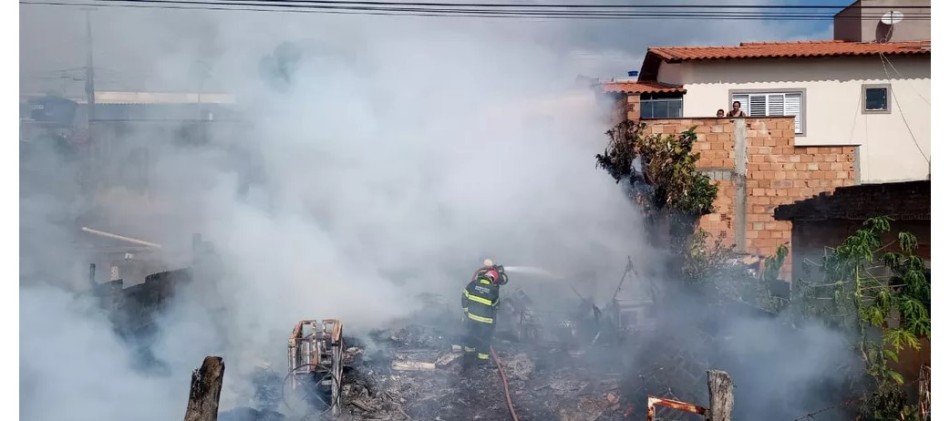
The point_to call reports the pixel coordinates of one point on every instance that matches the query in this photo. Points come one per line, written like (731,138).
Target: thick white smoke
(385,161)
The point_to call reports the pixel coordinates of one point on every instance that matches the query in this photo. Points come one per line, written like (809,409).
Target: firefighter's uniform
(480,304)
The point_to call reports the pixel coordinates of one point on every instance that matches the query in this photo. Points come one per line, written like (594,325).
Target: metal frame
(653,402)
(802,91)
(315,354)
(864,97)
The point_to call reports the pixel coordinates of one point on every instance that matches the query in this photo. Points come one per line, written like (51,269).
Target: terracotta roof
(749,50)
(632,87)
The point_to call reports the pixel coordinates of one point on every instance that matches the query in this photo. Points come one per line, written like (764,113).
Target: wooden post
(92,275)
(205,390)
(720,396)
(924,391)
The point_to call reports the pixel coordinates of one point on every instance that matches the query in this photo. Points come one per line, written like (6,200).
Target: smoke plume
(367,161)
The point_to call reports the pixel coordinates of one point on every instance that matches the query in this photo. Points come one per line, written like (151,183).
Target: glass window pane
(646,109)
(875,99)
(676,108)
(660,109)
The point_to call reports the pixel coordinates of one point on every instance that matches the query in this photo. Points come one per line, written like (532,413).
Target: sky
(53,42)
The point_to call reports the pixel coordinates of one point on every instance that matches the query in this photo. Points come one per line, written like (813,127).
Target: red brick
(829,158)
(811,150)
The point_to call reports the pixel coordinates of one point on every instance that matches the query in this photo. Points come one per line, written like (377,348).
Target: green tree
(667,182)
(882,299)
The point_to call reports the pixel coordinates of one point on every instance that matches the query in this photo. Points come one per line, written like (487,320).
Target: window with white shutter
(772,104)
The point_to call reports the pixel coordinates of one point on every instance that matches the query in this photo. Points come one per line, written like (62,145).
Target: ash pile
(558,366)
(413,370)
(568,361)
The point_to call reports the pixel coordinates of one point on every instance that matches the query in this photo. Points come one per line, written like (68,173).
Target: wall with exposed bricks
(757,167)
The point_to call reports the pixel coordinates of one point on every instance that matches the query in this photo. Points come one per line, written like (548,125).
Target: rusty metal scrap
(653,402)
(315,351)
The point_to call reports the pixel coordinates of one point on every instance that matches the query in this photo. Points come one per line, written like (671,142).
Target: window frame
(664,97)
(801,91)
(864,98)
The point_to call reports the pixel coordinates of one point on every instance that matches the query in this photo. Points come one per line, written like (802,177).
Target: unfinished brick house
(757,167)
(818,115)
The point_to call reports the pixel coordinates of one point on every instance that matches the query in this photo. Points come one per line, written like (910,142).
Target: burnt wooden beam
(205,390)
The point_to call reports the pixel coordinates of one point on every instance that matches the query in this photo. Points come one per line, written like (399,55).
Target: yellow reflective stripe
(485,282)
(482,356)
(478,299)
(469,349)
(480,318)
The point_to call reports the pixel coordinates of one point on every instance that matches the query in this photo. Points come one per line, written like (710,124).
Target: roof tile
(632,87)
(748,50)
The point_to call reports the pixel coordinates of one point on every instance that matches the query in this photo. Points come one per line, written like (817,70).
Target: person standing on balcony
(736,111)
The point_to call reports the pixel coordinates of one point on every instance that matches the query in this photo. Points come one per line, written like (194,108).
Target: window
(658,107)
(773,104)
(876,98)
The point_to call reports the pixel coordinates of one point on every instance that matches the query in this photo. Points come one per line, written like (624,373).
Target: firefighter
(480,305)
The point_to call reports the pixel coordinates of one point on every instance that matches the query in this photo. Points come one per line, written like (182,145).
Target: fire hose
(504,382)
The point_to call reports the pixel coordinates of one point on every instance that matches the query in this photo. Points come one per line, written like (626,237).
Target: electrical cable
(504,382)
(574,5)
(898,73)
(461,10)
(901,112)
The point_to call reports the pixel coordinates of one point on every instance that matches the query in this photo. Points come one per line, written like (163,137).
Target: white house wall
(833,112)
(670,74)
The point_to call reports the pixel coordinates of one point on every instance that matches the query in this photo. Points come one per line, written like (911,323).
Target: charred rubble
(579,361)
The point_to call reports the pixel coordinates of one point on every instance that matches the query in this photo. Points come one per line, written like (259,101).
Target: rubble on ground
(411,370)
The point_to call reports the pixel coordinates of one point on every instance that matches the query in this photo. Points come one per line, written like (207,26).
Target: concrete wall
(870,29)
(757,167)
(890,150)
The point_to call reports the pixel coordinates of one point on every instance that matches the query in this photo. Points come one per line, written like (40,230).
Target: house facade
(819,115)
(850,91)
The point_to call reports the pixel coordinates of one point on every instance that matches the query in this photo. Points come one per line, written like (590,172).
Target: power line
(901,112)
(334,7)
(557,5)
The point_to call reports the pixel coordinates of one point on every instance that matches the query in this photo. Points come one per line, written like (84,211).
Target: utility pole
(89,173)
(90,74)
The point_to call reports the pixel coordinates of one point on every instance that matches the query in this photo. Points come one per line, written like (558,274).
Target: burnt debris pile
(414,373)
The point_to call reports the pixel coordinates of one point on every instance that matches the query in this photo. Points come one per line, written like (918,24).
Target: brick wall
(758,167)
(633,107)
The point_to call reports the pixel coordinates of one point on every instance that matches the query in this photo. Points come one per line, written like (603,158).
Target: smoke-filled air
(366,167)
